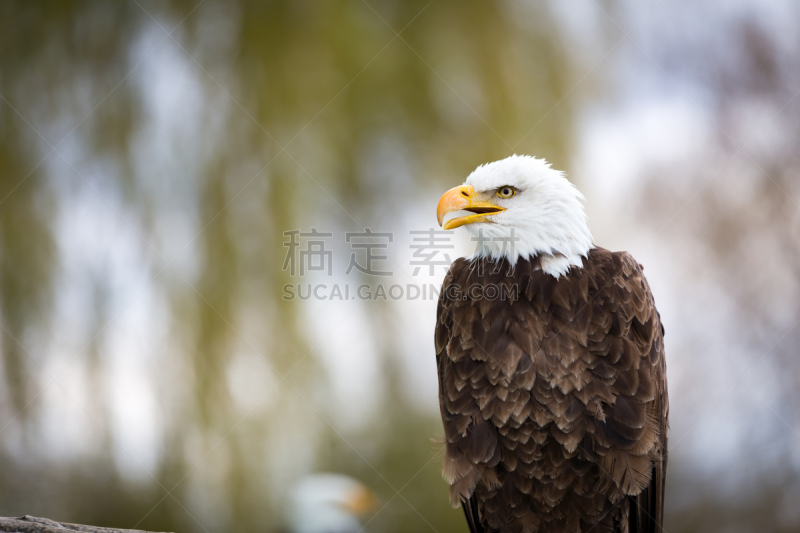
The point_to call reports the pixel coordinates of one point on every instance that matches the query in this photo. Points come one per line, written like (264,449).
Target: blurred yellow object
(325,502)
(362,501)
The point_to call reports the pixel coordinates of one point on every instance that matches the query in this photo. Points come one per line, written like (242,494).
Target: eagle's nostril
(465,194)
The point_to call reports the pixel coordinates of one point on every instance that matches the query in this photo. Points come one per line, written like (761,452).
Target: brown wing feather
(647,508)
(553,399)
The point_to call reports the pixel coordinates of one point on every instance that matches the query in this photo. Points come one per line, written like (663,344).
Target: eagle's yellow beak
(462,198)
(361,501)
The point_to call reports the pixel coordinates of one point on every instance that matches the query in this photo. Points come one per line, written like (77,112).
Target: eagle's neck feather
(556,256)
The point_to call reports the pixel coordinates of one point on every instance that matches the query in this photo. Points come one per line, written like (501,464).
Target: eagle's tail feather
(471,511)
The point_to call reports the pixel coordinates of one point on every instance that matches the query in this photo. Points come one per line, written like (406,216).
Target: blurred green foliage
(300,90)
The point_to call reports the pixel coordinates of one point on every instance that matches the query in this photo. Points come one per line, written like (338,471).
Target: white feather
(545,218)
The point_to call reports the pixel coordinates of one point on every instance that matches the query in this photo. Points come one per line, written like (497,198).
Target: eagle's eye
(506,191)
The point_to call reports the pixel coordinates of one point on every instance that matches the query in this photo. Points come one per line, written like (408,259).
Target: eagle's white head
(521,207)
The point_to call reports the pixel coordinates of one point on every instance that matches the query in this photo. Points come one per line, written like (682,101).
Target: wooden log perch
(32,524)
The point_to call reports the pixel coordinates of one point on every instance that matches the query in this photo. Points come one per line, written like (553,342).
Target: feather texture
(553,399)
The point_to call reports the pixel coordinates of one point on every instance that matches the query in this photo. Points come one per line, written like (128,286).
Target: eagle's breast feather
(553,394)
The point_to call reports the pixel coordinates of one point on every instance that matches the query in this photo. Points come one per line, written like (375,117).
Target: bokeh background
(153,153)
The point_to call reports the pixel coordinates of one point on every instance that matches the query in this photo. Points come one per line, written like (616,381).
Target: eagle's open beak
(462,198)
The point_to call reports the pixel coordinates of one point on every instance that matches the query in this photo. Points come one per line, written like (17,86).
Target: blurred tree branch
(32,524)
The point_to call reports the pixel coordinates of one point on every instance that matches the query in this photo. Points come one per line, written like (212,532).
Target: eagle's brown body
(553,396)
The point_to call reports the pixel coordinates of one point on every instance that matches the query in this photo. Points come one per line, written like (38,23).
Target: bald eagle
(328,503)
(550,355)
